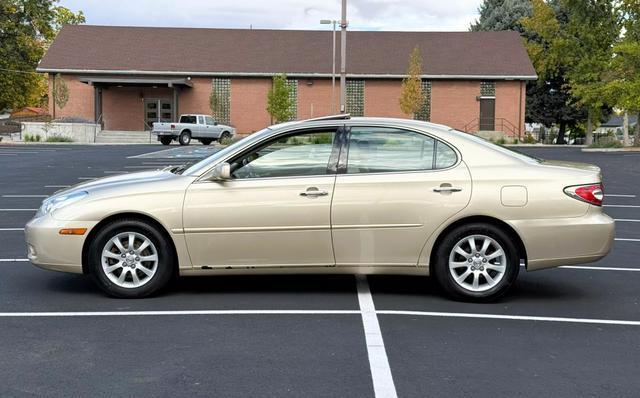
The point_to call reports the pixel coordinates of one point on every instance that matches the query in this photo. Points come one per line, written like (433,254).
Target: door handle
(445,189)
(313,192)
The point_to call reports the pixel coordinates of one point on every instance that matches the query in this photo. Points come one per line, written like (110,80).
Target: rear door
(394,188)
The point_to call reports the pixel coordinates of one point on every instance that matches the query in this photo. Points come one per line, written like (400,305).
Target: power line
(26,72)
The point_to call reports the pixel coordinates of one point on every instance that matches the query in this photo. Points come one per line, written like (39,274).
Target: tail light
(590,193)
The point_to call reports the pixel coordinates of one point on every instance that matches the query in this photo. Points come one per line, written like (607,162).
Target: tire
(224,136)
(150,276)
(495,273)
(184,138)
(206,141)
(166,140)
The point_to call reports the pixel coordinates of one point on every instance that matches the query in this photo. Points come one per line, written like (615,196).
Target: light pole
(343,56)
(333,64)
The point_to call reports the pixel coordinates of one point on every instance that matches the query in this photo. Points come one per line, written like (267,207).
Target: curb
(633,149)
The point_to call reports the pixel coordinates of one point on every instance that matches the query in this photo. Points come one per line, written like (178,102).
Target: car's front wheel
(130,259)
(476,262)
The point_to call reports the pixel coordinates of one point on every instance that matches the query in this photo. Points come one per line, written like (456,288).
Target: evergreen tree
(502,15)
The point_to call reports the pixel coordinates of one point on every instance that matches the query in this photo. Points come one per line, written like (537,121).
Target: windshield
(506,150)
(207,162)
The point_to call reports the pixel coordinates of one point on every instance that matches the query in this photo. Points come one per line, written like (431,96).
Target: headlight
(56,202)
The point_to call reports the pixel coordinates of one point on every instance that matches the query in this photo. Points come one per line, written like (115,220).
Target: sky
(405,15)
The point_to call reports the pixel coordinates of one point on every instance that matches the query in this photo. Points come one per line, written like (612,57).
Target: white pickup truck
(200,127)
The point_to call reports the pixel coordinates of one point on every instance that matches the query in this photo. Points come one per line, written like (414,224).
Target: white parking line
(620,196)
(115,172)
(627,240)
(11,229)
(25,196)
(87,178)
(593,321)
(623,206)
(18,209)
(149,167)
(591,268)
(13,260)
(383,385)
(513,317)
(625,220)
(57,186)
(8,154)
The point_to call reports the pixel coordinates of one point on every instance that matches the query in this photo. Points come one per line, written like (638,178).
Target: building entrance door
(157,110)
(487,114)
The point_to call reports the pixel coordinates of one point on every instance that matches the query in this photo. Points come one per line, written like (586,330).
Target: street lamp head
(325,21)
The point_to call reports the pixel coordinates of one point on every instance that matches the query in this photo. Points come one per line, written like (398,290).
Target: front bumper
(566,241)
(47,249)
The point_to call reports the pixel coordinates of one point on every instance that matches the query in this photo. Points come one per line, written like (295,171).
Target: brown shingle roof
(244,51)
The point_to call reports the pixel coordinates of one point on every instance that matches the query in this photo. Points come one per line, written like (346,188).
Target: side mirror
(221,172)
(215,123)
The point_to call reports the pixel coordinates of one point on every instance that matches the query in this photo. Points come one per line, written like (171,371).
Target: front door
(274,212)
(397,188)
(157,110)
(487,114)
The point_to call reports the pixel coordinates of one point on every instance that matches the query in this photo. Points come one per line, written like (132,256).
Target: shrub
(528,139)
(58,138)
(606,142)
(32,138)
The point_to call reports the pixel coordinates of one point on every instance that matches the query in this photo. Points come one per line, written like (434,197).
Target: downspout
(520,113)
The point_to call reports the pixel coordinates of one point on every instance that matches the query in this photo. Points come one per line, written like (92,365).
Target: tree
(591,30)
(622,80)
(27,27)
(502,15)
(279,103)
(411,96)
(549,101)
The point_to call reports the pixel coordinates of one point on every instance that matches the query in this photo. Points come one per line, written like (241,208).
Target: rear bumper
(164,133)
(566,241)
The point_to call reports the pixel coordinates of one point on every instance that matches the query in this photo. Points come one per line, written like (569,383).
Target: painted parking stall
(379,336)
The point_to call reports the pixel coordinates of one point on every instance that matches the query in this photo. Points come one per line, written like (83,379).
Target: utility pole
(333,63)
(343,57)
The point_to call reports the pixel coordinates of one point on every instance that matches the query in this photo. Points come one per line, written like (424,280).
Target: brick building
(129,77)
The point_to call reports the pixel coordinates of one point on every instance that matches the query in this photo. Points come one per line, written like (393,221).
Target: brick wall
(80,102)
(249,104)
(314,99)
(510,103)
(123,107)
(195,99)
(454,102)
(382,98)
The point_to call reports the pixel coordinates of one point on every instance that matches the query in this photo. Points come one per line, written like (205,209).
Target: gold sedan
(332,195)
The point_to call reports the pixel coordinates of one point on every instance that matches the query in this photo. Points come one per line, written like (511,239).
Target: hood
(121,180)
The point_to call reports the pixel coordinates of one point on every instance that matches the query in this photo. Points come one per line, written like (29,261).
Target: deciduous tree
(411,96)
(279,103)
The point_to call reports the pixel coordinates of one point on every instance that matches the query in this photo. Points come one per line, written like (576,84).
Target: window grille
(355,97)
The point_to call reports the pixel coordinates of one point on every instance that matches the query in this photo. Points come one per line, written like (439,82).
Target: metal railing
(499,124)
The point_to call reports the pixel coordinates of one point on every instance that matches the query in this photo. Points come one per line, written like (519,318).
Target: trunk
(589,133)
(625,129)
(563,127)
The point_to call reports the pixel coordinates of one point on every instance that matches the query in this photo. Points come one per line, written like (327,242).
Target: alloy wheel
(129,260)
(477,263)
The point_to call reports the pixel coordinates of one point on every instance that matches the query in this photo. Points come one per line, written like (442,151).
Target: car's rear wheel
(130,259)
(184,138)
(476,262)
(166,140)
(206,141)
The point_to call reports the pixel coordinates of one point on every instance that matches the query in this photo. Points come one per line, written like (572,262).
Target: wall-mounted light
(309,82)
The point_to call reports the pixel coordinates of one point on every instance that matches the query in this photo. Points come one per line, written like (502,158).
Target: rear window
(506,150)
(188,119)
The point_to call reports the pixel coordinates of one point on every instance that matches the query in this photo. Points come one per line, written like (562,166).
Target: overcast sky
(442,15)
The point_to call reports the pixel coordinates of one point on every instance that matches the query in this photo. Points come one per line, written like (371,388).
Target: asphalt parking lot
(569,331)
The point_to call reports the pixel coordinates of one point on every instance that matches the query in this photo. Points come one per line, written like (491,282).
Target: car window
(200,120)
(303,154)
(209,120)
(445,156)
(379,150)
(188,119)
